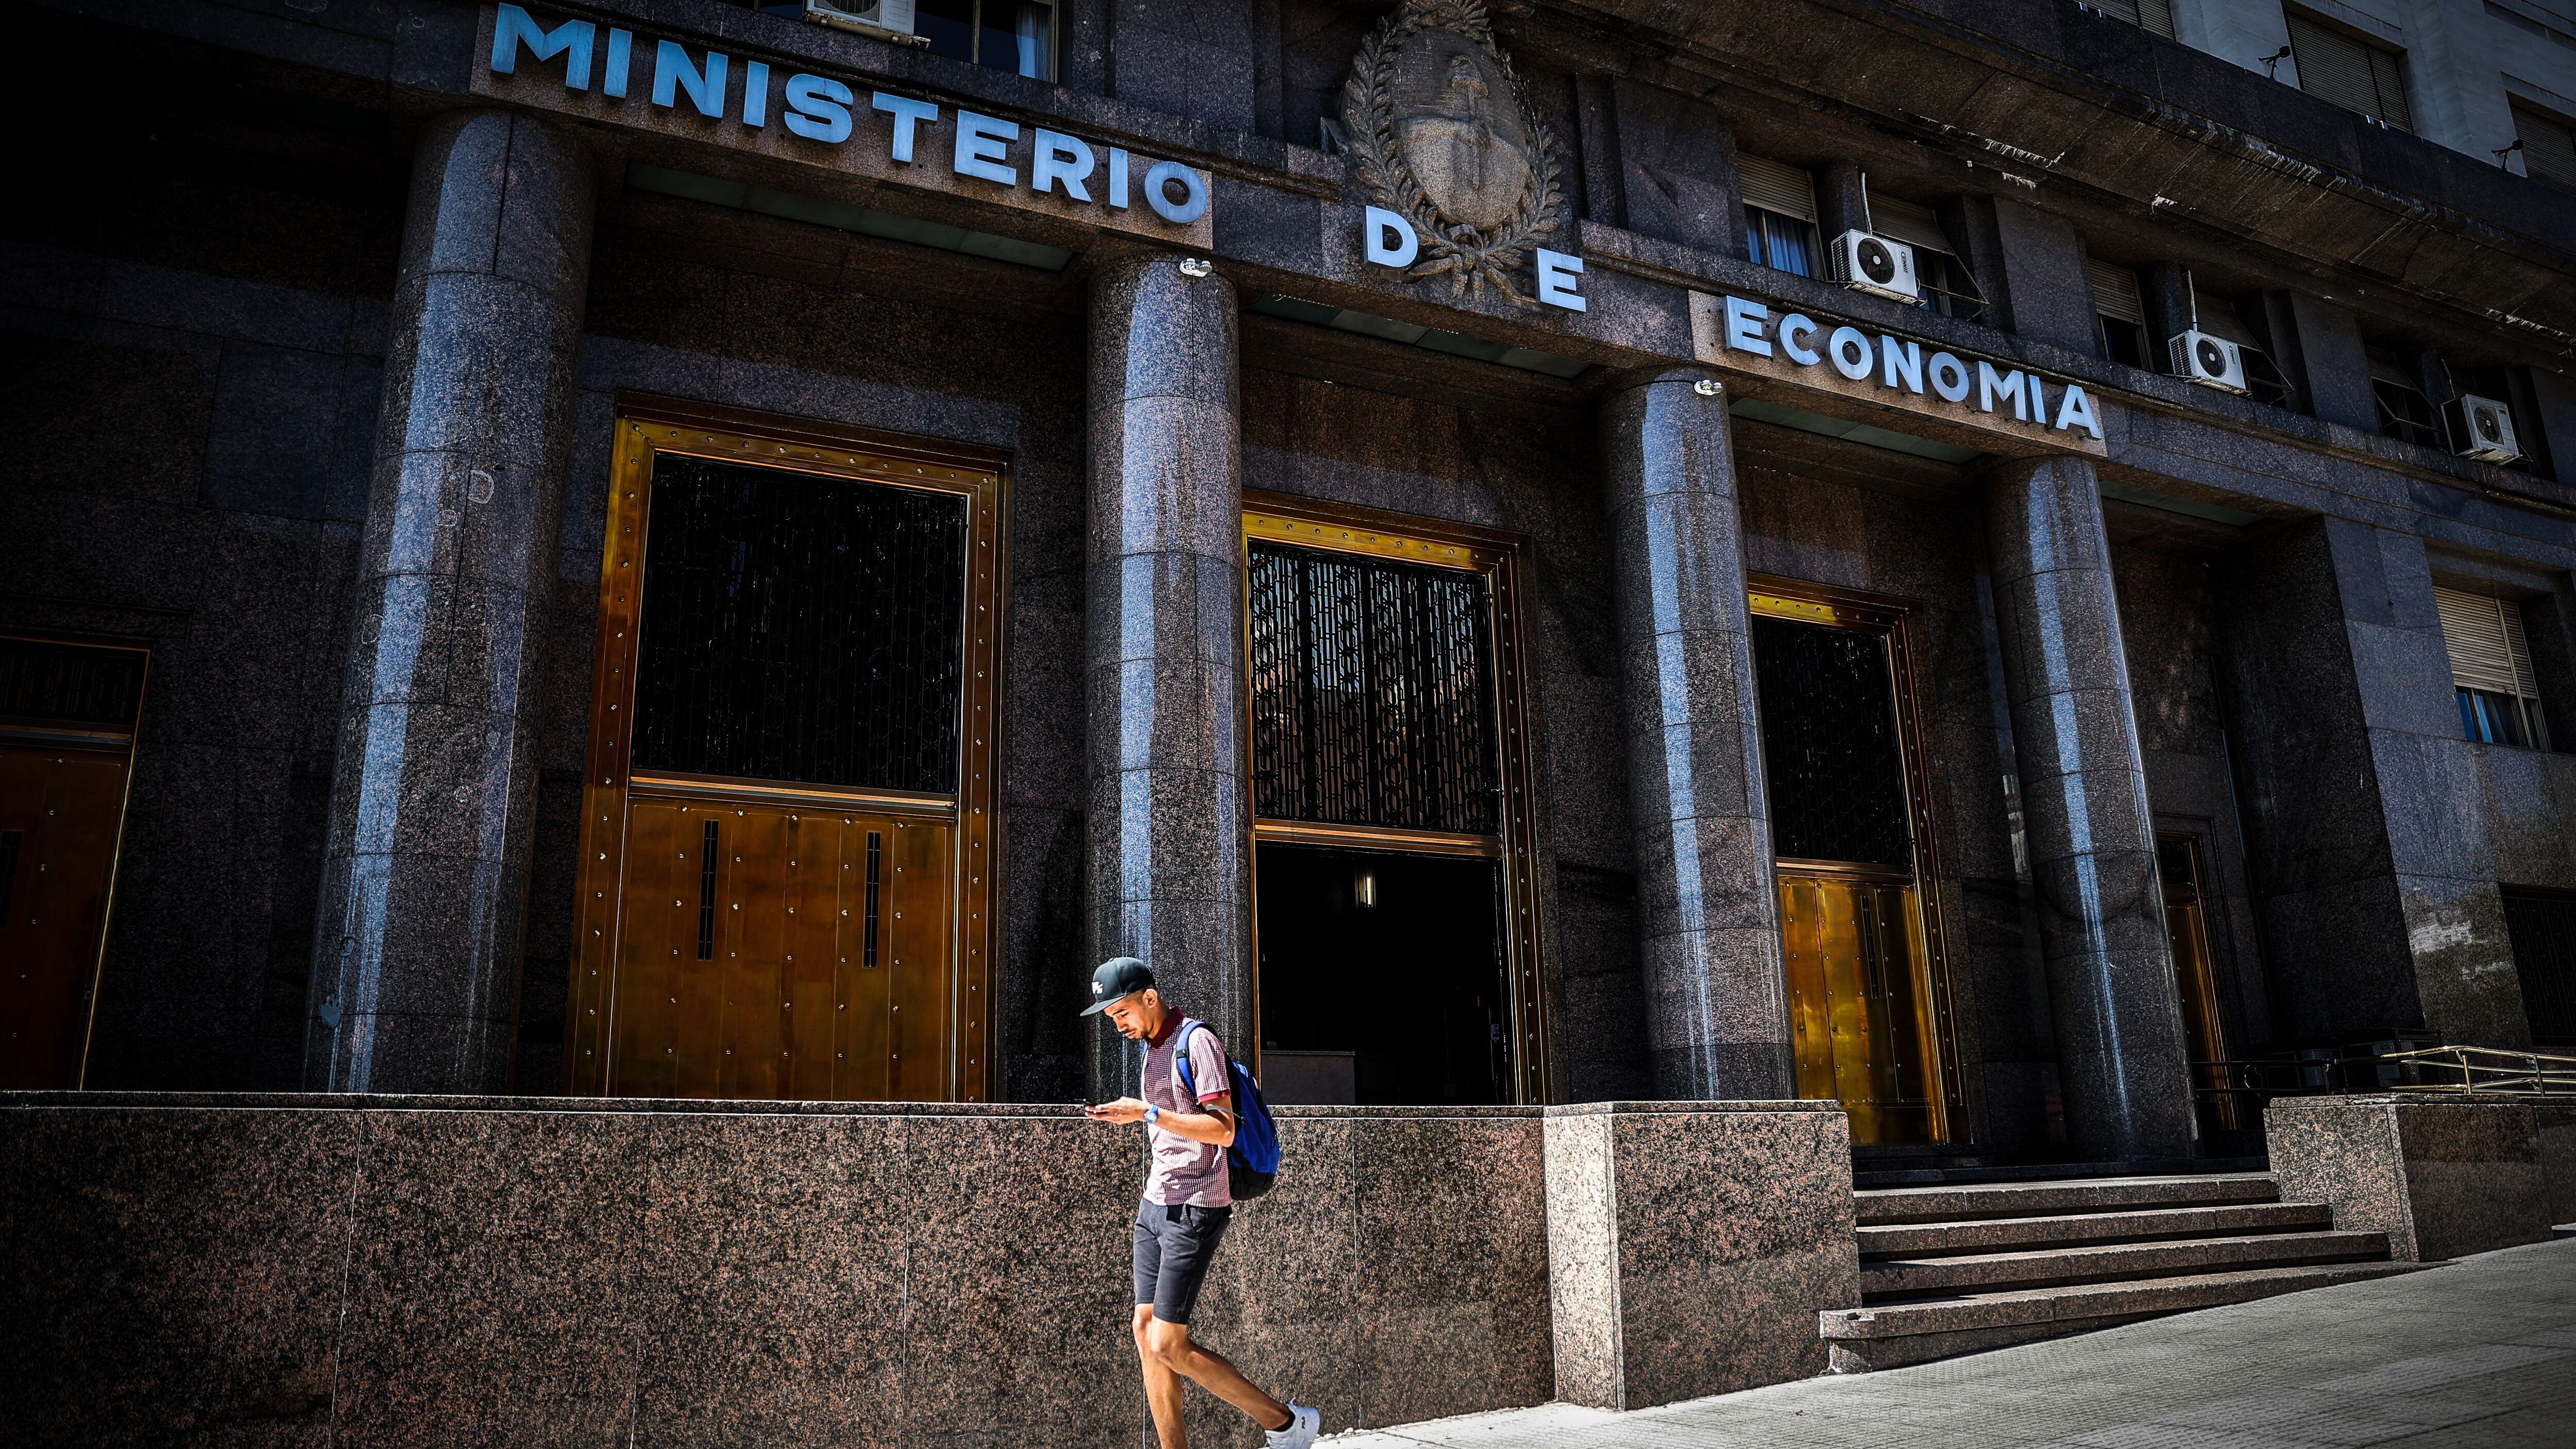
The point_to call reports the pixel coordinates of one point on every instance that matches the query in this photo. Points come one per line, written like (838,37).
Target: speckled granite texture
(387,1270)
(2441,1178)
(1692,1243)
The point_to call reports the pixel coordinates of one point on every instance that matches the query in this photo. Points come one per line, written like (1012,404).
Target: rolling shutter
(2116,294)
(2548,148)
(2155,16)
(2333,66)
(1774,187)
(2218,318)
(2484,636)
(1913,225)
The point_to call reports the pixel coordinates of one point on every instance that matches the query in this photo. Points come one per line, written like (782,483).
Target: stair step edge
(2074,1303)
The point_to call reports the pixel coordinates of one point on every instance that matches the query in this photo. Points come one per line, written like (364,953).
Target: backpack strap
(1189,1079)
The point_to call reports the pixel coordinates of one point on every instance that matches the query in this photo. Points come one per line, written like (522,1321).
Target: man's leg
(1162,1386)
(1186,1243)
(1169,1343)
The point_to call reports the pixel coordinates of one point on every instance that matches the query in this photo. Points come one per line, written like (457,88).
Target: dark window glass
(949,26)
(1018,36)
(1830,752)
(2404,414)
(1372,693)
(1783,243)
(2123,341)
(1947,287)
(2541,924)
(70,684)
(2491,718)
(2548,146)
(797,627)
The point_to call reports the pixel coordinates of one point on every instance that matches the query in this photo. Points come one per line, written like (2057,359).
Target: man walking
(1186,1207)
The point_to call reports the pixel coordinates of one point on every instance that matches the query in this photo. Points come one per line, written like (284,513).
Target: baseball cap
(1120,976)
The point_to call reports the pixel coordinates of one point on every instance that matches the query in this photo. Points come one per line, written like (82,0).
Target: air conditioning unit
(1867,262)
(2481,428)
(2209,361)
(883,19)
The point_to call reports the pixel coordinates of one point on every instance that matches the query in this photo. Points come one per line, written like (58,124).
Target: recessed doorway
(1851,837)
(787,836)
(1382,978)
(1396,947)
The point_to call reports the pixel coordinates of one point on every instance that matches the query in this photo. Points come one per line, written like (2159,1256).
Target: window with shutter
(2339,68)
(2120,311)
(2548,147)
(2154,16)
(1948,288)
(2491,669)
(1779,214)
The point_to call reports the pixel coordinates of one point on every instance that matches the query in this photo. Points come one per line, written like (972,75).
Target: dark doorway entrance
(1382,978)
(1396,946)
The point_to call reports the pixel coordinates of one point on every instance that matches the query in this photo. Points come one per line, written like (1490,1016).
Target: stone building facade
(1944,703)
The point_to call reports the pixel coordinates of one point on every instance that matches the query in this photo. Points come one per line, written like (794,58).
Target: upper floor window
(2548,147)
(1947,286)
(1779,215)
(2149,15)
(2218,318)
(2404,412)
(2350,71)
(2119,314)
(1013,35)
(2491,669)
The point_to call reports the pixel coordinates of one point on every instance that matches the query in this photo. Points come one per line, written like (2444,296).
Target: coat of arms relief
(1444,135)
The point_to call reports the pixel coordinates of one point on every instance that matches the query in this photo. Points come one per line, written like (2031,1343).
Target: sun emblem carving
(1445,136)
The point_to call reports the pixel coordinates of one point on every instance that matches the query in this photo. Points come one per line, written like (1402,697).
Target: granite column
(1170,834)
(425,874)
(1707,905)
(2084,798)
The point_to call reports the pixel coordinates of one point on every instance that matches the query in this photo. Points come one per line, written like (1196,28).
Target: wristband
(1153,1115)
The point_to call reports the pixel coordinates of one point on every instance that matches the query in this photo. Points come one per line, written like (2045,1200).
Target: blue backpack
(1252,1163)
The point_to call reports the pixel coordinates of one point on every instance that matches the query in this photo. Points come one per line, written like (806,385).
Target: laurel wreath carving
(1472,260)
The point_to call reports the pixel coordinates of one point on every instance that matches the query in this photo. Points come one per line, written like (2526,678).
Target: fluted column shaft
(1708,914)
(1170,839)
(2084,800)
(419,935)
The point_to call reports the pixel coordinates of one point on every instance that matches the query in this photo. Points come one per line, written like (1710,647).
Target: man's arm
(1213,1124)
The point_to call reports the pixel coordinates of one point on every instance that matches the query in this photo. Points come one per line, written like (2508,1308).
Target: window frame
(975,29)
(2384,65)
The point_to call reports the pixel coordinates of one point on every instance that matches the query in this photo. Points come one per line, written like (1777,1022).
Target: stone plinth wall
(375,1270)
(2442,1176)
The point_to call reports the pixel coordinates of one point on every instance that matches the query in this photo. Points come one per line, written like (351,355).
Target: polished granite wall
(385,1270)
(2441,1178)
(1692,1243)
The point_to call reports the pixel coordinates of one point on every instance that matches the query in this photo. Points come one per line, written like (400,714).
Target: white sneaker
(1303,1425)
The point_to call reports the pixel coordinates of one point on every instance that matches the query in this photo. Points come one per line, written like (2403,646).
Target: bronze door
(1860,940)
(1858,978)
(787,840)
(2195,983)
(67,717)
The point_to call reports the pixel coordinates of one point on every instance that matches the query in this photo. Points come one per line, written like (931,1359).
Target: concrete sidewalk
(2481,1352)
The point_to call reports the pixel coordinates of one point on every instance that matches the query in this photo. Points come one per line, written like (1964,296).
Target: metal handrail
(2454,1070)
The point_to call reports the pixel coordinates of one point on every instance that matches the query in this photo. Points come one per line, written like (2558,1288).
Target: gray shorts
(1173,1246)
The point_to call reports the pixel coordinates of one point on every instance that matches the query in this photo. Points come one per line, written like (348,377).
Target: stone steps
(1887,1279)
(1950,1202)
(1997,1235)
(1916,1332)
(1953,1268)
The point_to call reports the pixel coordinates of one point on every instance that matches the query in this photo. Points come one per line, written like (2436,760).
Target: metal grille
(2542,926)
(1830,752)
(69,684)
(797,627)
(1372,693)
